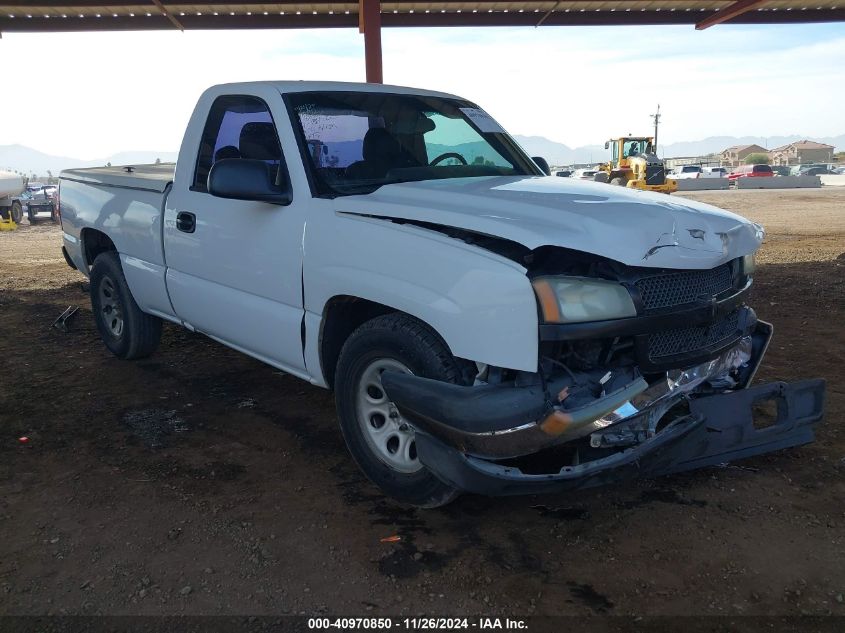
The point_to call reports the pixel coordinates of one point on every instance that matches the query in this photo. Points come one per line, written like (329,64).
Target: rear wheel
(125,329)
(379,439)
(619,182)
(17,212)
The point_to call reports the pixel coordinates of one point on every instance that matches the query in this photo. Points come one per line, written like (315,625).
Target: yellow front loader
(634,163)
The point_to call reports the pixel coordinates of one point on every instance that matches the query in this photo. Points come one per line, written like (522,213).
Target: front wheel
(619,182)
(379,439)
(125,329)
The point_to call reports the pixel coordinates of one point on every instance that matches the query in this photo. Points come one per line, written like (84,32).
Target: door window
(238,126)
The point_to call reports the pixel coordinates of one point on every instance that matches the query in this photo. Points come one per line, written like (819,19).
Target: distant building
(801,153)
(737,154)
(704,161)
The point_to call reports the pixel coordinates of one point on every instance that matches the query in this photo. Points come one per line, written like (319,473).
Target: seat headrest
(379,144)
(258,141)
(227,151)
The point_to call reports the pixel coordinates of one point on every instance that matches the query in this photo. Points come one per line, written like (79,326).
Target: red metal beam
(728,13)
(207,21)
(369,21)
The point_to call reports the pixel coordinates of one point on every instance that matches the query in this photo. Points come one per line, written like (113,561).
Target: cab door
(234,267)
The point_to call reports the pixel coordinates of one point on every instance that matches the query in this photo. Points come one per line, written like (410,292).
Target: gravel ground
(200,481)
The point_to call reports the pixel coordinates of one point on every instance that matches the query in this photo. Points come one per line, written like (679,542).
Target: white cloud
(90,95)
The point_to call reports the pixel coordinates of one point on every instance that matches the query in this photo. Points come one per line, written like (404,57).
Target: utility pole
(656,117)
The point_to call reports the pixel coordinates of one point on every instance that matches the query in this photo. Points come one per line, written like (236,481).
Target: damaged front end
(662,387)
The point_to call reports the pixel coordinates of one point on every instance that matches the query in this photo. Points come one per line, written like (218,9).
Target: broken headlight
(748,265)
(575,299)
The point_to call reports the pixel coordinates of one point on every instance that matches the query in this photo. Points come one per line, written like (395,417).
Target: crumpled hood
(634,227)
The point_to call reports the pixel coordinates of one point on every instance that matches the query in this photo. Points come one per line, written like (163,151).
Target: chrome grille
(673,289)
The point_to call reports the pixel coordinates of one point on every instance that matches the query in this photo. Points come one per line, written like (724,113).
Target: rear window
(690,169)
(762,169)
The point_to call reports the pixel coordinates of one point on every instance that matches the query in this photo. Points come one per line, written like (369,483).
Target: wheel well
(95,242)
(342,316)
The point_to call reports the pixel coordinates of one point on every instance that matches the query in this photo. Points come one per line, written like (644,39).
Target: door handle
(186,222)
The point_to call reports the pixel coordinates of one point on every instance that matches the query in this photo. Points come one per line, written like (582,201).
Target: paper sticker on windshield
(482,120)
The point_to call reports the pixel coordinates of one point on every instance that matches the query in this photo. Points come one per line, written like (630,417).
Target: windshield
(636,146)
(355,142)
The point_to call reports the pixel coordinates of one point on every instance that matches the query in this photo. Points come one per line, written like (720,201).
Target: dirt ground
(199,481)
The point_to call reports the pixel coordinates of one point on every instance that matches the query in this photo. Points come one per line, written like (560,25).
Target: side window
(238,126)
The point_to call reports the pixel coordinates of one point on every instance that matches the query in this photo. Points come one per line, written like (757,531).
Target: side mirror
(607,144)
(246,179)
(543,164)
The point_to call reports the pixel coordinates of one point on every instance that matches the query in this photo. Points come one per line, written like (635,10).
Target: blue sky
(134,91)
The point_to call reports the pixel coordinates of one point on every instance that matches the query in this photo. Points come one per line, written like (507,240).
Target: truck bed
(145,177)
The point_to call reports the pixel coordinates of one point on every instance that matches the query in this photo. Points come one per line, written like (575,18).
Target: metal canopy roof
(116,15)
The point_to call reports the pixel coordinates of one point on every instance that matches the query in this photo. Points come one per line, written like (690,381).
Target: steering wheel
(448,155)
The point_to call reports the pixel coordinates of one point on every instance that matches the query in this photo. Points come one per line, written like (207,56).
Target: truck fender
(480,303)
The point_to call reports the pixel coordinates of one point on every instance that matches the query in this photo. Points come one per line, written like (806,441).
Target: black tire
(17,212)
(619,182)
(392,338)
(126,331)
(30,214)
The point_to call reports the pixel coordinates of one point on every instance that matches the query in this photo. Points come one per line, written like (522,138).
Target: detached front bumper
(719,429)
(471,437)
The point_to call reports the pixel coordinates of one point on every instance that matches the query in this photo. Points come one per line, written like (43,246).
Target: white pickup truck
(484,327)
(686,171)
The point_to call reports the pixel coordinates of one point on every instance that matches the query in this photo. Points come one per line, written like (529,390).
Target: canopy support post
(369,23)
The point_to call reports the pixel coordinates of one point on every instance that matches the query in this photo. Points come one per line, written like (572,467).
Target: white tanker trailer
(11,185)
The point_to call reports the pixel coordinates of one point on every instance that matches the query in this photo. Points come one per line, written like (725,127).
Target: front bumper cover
(466,435)
(719,429)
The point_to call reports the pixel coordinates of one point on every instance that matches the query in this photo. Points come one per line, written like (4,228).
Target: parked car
(800,170)
(714,172)
(685,171)
(584,174)
(781,170)
(563,173)
(751,171)
(484,327)
(816,171)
